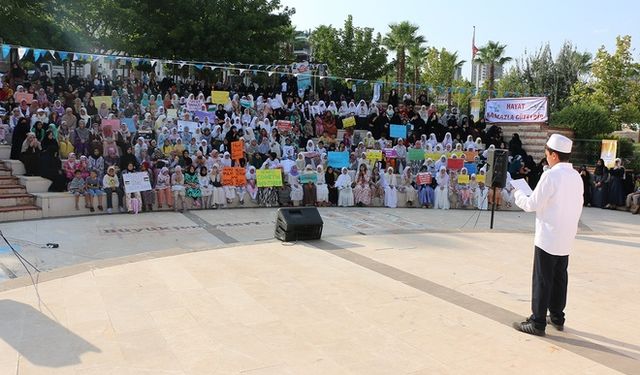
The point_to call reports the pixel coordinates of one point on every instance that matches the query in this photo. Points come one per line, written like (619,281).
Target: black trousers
(549,287)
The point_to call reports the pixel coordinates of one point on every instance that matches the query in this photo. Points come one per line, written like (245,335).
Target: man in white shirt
(557,201)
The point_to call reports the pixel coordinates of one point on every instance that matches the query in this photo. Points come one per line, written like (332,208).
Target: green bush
(586,120)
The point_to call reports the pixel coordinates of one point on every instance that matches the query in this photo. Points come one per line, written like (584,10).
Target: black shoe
(528,326)
(559,327)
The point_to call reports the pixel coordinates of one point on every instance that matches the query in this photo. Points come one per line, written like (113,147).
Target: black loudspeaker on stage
(497,163)
(298,223)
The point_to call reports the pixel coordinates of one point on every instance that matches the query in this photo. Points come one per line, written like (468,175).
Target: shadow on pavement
(38,338)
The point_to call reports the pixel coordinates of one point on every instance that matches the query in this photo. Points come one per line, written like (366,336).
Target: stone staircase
(16,203)
(533,136)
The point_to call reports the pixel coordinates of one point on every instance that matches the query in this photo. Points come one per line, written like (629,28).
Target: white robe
(345,193)
(390,191)
(322,190)
(441,196)
(482,198)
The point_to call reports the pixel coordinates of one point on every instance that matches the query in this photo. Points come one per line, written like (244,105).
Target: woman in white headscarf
(344,109)
(217,190)
(345,193)
(406,186)
(481,196)
(470,144)
(352,108)
(322,191)
(297,194)
(424,113)
(442,190)
(447,140)
(332,108)
(251,187)
(433,141)
(322,107)
(390,189)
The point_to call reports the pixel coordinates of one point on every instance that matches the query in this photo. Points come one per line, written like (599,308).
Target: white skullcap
(560,143)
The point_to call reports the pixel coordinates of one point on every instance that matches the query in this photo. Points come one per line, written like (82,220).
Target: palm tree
(417,58)
(492,54)
(399,39)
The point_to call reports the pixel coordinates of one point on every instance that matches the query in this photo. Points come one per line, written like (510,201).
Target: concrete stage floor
(402,291)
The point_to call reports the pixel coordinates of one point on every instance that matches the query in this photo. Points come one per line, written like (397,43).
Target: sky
(522,26)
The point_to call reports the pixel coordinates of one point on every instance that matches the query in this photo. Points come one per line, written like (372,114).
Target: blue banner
(472,168)
(130,124)
(398,131)
(338,159)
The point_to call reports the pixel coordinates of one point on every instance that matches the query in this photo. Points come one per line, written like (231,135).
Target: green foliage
(616,85)
(586,120)
(462,95)
(351,52)
(212,30)
(492,54)
(400,38)
(440,67)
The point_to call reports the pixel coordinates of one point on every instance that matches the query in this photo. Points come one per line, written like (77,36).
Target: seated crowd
(63,136)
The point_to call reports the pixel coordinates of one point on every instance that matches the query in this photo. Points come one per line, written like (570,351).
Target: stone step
(19,213)
(12,189)
(4,171)
(5,151)
(16,167)
(17,199)
(9,180)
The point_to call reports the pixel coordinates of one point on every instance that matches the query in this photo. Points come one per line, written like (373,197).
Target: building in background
(480,73)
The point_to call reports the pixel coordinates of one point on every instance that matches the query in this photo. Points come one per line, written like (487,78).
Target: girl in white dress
(345,193)
(409,190)
(322,191)
(390,189)
(442,190)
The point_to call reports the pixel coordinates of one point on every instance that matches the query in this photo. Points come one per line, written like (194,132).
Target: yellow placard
(434,156)
(374,155)
(480,178)
(219,97)
(463,179)
(268,177)
(98,100)
(172,113)
(349,122)
(608,152)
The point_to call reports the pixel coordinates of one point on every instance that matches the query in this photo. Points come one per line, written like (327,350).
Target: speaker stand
(493,207)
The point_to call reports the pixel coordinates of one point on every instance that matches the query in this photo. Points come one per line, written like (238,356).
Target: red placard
(455,164)
(20,96)
(424,178)
(237,150)
(284,126)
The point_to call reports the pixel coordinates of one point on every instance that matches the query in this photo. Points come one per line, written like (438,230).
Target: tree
(248,31)
(570,67)
(512,83)
(400,38)
(586,120)
(616,82)
(417,58)
(351,52)
(492,54)
(440,67)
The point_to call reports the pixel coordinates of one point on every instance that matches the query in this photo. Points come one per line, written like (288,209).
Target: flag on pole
(474,49)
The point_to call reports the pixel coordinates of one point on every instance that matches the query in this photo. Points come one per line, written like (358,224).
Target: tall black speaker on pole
(497,164)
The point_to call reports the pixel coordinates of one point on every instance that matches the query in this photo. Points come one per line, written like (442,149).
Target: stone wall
(533,136)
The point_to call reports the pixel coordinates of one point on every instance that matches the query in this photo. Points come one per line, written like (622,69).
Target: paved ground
(402,291)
